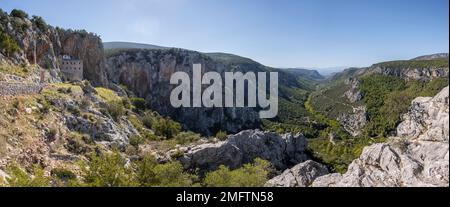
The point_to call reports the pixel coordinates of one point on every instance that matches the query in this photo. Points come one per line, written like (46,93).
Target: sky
(282,33)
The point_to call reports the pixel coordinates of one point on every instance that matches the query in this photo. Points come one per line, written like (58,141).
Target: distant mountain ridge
(130,45)
(313,74)
(432,57)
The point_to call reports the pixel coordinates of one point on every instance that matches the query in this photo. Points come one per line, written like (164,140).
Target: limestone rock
(282,151)
(422,74)
(353,94)
(355,121)
(418,157)
(147,74)
(327,180)
(302,175)
(44,46)
(427,119)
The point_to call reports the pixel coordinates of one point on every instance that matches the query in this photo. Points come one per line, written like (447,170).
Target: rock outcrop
(353,122)
(147,73)
(419,156)
(302,175)
(422,74)
(353,94)
(44,45)
(282,151)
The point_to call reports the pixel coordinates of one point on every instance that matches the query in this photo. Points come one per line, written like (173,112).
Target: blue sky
(283,33)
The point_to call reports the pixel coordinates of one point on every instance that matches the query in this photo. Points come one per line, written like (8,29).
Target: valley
(118,128)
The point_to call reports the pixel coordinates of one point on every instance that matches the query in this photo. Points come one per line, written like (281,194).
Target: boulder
(302,175)
(282,151)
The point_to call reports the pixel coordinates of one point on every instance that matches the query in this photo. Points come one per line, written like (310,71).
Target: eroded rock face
(355,121)
(282,151)
(427,119)
(418,157)
(147,73)
(422,74)
(44,46)
(302,175)
(353,94)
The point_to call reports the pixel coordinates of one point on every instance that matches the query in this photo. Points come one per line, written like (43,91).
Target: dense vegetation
(8,45)
(113,170)
(387,98)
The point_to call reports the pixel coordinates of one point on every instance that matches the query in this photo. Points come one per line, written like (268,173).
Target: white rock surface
(419,156)
(302,175)
(282,151)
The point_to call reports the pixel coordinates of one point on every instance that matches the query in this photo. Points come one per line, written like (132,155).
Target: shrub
(40,23)
(186,137)
(76,143)
(8,44)
(126,103)
(139,103)
(151,174)
(166,127)
(147,120)
(85,103)
(63,174)
(107,170)
(115,109)
(250,175)
(136,140)
(19,13)
(340,155)
(221,135)
(20,178)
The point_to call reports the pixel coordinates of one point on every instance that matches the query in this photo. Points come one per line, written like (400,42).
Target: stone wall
(16,89)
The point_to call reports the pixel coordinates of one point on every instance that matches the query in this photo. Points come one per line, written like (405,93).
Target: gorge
(384,125)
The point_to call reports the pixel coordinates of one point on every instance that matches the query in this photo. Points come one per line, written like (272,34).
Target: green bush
(63,174)
(221,135)
(115,109)
(139,103)
(136,140)
(250,175)
(20,178)
(166,127)
(186,138)
(77,143)
(8,44)
(40,23)
(151,174)
(107,170)
(147,120)
(19,13)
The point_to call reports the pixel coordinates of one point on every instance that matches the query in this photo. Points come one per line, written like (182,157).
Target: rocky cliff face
(282,151)
(44,44)
(147,73)
(354,121)
(422,74)
(419,156)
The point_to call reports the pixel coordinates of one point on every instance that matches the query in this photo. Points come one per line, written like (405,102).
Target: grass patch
(107,95)
(21,71)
